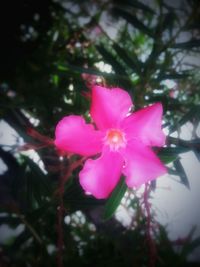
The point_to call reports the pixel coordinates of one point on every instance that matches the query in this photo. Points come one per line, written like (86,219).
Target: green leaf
(182,146)
(115,199)
(181,172)
(75,199)
(191,243)
(170,154)
(134,21)
(194,244)
(172,76)
(172,151)
(111,59)
(137,5)
(77,69)
(40,177)
(197,153)
(55,79)
(195,142)
(172,171)
(168,21)
(21,239)
(33,215)
(132,62)
(36,183)
(13,222)
(194,43)
(193,112)
(175,150)
(167,159)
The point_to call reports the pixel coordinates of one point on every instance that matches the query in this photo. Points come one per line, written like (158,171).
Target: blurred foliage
(51,53)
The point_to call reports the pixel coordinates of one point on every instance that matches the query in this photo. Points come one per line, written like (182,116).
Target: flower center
(115,139)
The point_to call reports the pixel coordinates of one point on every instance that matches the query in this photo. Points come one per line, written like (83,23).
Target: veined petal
(141,164)
(109,106)
(100,176)
(145,125)
(75,136)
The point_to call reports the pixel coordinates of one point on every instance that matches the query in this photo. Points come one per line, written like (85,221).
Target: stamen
(115,139)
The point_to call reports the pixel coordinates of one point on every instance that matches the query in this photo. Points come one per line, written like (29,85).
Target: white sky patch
(51,248)
(71,87)
(169,83)
(157,91)
(123,215)
(35,122)
(67,100)
(7,233)
(3,167)
(55,36)
(10,140)
(198,130)
(33,155)
(104,67)
(67,219)
(175,205)
(8,136)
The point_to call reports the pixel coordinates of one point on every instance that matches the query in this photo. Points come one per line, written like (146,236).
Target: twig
(31,229)
(61,209)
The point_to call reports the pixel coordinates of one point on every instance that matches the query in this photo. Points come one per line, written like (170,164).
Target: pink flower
(123,139)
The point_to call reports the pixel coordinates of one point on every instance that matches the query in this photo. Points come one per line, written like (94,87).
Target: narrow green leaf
(171,171)
(168,21)
(197,153)
(135,22)
(36,183)
(172,151)
(181,172)
(115,199)
(75,199)
(131,62)
(13,222)
(111,59)
(191,243)
(187,45)
(172,76)
(34,214)
(187,117)
(183,146)
(137,5)
(55,79)
(170,154)
(77,69)
(167,159)
(40,177)
(194,244)
(21,239)
(195,141)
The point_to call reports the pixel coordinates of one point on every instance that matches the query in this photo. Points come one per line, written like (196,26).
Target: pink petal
(100,176)
(141,164)
(75,136)
(145,125)
(109,106)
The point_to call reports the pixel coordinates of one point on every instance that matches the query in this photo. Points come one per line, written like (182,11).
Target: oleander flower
(120,140)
